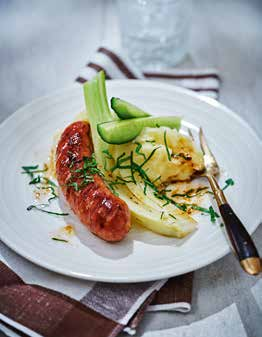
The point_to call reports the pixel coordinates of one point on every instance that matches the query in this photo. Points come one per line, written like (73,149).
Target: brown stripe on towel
(80,80)
(118,62)
(84,322)
(181,76)
(216,90)
(98,68)
(8,277)
(49,312)
(177,289)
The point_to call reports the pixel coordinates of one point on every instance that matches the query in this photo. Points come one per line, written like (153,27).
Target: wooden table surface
(43,45)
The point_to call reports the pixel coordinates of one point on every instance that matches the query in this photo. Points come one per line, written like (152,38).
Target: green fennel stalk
(98,111)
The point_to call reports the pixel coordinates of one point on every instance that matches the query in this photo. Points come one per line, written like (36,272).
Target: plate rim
(128,279)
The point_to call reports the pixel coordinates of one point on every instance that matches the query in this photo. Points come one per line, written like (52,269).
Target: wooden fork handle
(242,242)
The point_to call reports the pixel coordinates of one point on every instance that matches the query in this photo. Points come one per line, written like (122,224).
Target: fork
(242,243)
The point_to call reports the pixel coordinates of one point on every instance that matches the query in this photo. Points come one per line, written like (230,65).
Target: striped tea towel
(37,302)
(118,66)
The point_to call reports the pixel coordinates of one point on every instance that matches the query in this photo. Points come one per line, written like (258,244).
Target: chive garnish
(108,154)
(57,239)
(42,183)
(188,193)
(172,216)
(29,208)
(34,181)
(167,150)
(49,182)
(83,176)
(120,160)
(29,168)
(158,178)
(149,157)
(124,180)
(112,188)
(213,214)
(166,203)
(137,150)
(145,187)
(228,182)
(53,194)
(199,208)
(161,216)
(132,167)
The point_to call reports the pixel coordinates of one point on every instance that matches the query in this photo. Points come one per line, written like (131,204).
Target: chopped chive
(132,167)
(57,239)
(34,171)
(29,208)
(124,179)
(167,150)
(228,182)
(145,187)
(213,214)
(108,154)
(221,225)
(119,160)
(166,203)
(161,216)
(74,185)
(137,150)
(49,182)
(117,183)
(111,186)
(34,181)
(149,157)
(188,193)
(29,168)
(199,208)
(84,174)
(53,194)
(172,216)
(158,178)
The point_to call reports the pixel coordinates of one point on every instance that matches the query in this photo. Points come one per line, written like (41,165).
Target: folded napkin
(118,66)
(36,302)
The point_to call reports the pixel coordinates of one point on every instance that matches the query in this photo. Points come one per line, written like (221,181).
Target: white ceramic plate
(26,138)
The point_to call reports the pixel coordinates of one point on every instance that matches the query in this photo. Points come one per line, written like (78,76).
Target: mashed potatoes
(175,156)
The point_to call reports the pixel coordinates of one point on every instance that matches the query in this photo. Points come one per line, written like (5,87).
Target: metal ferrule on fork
(218,193)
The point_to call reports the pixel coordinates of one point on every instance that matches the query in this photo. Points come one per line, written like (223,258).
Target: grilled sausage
(96,206)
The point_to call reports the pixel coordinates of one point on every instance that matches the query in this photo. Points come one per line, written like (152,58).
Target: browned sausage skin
(96,206)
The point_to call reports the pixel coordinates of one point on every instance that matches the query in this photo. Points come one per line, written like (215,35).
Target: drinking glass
(155,33)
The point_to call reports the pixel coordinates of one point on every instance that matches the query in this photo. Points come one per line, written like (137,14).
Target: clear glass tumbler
(155,33)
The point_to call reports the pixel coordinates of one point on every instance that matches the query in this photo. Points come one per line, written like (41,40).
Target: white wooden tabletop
(43,45)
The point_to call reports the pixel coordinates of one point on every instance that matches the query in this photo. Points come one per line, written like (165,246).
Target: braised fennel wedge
(137,170)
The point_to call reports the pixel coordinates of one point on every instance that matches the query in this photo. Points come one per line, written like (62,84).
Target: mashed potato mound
(175,158)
